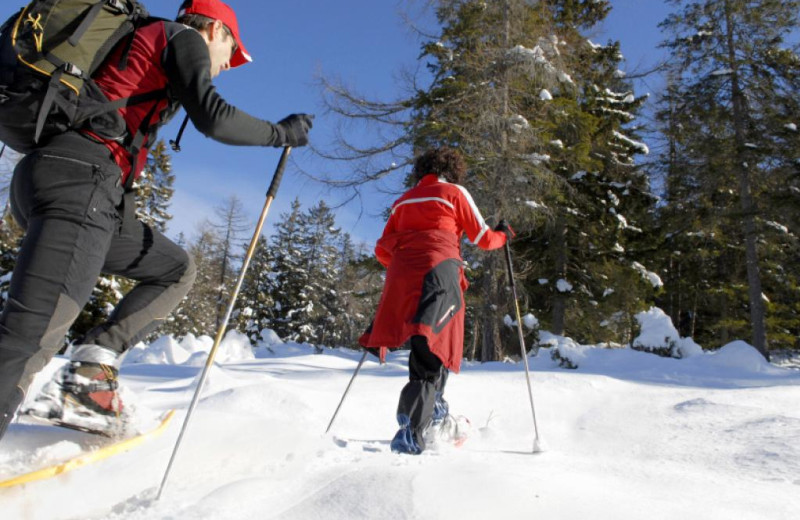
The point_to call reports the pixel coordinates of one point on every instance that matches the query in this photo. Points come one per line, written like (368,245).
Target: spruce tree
(732,107)
(155,188)
(359,286)
(197,314)
(256,303)
(293,303)
(585,260)
(546,123)
(320,247)
(546,118)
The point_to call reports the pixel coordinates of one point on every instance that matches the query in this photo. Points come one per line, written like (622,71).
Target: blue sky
(366,43)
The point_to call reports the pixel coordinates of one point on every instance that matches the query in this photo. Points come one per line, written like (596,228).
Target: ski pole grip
(276,179)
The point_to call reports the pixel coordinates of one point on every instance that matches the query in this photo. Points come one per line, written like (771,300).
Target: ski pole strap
(175,144)
(276,179)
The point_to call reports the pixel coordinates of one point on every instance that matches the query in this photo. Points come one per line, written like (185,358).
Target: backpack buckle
(73,70)
(119,5)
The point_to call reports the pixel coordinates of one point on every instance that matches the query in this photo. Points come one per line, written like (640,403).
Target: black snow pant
(69,198)
(427,377)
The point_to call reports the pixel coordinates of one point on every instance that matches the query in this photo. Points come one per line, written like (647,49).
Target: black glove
(505,228)
(294,129)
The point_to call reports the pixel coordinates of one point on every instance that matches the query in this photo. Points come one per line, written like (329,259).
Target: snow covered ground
(627,435)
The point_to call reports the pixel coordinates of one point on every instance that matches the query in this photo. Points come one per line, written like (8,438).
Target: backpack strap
(91,14)
(110,106)
(118,5)
(136,143)
(47,102)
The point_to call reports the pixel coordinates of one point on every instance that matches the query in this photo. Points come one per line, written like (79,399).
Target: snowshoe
(405,440)
(82,396)
(451,430)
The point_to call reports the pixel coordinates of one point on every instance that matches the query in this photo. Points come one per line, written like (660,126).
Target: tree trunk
(747,204)
(560,268)
(473,347)
(490,329)
(490,322)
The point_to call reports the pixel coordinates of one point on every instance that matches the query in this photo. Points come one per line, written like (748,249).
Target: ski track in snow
(627,436)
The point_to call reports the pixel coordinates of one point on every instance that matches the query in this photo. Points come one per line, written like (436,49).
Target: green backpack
(48,54)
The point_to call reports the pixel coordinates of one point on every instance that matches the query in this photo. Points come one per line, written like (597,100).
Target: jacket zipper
(70,159)
(446,314)
(96,169)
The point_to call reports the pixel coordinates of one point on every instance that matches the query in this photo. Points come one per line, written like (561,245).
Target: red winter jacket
(420,246)
(142,74)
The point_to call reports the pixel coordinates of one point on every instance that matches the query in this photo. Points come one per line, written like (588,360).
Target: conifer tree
(197,314)
(545,121)
(347,319)
(732,106)
(155,188)
(586,256)
(293,304)
(230,225)
(256,302)
(321,245)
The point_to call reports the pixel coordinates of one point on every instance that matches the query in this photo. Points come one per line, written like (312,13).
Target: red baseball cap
(222,12)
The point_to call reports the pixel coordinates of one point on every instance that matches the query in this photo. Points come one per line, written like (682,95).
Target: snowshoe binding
(82,396)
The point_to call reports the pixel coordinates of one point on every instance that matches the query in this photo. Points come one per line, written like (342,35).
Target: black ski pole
(536,447)
(346,390)
(273,189)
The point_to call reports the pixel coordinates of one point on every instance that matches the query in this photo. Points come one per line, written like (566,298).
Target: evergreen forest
(687,199)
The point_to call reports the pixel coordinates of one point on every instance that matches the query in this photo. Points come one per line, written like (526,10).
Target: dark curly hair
(444,161)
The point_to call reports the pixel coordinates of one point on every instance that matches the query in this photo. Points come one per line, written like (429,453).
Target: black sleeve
(188,66)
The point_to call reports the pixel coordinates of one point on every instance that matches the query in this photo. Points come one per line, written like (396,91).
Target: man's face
(221,47)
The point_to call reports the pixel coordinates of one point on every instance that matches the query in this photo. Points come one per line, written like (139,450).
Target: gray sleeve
(187,65)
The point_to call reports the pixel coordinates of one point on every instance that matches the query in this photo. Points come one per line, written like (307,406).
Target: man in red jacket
(423,300)
(70,196)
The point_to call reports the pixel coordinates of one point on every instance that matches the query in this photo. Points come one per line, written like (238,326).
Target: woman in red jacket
(423,299)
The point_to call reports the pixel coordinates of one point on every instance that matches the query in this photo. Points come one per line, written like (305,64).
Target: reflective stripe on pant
(427,376)
(69,205)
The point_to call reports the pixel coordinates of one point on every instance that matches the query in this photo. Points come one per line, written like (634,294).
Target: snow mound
(660,336)
(270,338)
(741,355)
(191,350)
(564,351)
(163,351)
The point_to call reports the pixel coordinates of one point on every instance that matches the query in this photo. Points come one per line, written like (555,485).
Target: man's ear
(212,30)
